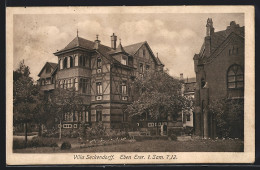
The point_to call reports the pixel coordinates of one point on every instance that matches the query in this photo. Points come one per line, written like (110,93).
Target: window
(141,67)
(65,84)
(80,60)
(65,62)
(67,125)
(71,61)
(143,52)
(123,88)
(188,116)
(83,85)
(125,117)
(147,67)
(87,116)
(60,64)
(124,60)
(75,84)
(69,83)
(99,62)
(99,88)
(130,61)
(98,115)
(233,50)
(202,82)
(235,77)
(48,69)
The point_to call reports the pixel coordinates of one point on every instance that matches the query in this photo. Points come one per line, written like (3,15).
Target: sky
(176,37)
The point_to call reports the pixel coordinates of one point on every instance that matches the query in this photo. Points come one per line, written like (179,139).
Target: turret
(209,27)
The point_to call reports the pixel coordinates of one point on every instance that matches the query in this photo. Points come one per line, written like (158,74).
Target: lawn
(195,145)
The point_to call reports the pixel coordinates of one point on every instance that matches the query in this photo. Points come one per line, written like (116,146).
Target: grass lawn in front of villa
(194,145)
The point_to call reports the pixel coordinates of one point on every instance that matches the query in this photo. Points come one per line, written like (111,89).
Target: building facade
(101,75)
(219,68)
(189,86)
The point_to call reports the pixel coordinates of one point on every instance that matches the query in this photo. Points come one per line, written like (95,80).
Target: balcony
(47,87)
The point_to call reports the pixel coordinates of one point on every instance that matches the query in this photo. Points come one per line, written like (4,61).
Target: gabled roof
(82,43)
(217,38)
(132,49)
(53,65)
(119,49)
(222,46)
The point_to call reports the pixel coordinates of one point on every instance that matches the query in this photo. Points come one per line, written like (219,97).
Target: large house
(102,75)
(219,68)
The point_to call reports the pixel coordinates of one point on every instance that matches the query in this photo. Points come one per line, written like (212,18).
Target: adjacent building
(189,87)
(219,68)
(101,75)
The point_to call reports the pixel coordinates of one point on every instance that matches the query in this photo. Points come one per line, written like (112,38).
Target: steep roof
(106,51)
(53,65)
(119,49)
(218,38)
(83,43)
(132,49)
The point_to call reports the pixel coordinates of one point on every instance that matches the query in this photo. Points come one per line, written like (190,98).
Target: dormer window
(124,60)
(99,64)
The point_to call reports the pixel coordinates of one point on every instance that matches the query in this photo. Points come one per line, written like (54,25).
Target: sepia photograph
(106,85)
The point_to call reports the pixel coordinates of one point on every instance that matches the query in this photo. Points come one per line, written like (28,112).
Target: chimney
(113,41)
(181,76)
(97,40)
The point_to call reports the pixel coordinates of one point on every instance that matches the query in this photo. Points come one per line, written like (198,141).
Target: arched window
(65,62)
(235,77)
(71,61)
(60,64)
(202,82)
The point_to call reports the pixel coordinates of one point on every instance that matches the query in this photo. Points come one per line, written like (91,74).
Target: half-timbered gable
(47,78)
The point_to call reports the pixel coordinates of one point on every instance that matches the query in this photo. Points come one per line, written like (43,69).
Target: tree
(229,116)
(64,101)
(43,111)
(157,96)
(24,97)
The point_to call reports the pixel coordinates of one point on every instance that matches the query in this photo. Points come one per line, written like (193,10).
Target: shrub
(175,131)
(229,116)
(35,142)
(52,133)
(74,134)
(65,145)
(173,137)
(42,142)
(18,144)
